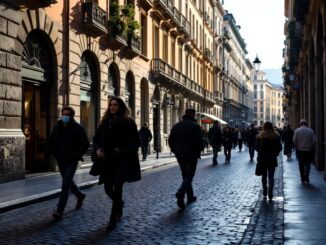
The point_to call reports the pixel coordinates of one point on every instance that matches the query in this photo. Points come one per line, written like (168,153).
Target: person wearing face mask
(67,143)
(116,144)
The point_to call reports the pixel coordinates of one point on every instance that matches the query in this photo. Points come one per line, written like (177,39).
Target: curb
(25,201)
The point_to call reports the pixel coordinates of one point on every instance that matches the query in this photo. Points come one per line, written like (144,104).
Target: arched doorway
(130,92)
(114,80)
(144,101)
(38,78)
(89,93)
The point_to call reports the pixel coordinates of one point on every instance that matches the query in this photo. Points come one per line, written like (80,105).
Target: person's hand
(100,153)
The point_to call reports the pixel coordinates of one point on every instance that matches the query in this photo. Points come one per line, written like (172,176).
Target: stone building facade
(56,53)
(305,68)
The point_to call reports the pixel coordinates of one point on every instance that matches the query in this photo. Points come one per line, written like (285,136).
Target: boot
(120,210)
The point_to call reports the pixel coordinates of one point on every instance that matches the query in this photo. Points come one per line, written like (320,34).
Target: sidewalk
(304,206)
(45,186)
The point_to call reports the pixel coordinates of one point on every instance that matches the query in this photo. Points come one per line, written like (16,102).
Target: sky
(262,28)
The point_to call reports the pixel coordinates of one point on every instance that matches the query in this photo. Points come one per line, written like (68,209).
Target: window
(261,86)
(255,86)
(261,109)
(255,109)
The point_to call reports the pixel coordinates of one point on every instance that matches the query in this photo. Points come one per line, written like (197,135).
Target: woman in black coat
(288,141)
(227,139)
(268,145)
(116,144)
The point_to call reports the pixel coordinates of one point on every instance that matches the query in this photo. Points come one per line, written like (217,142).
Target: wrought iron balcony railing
(94,18)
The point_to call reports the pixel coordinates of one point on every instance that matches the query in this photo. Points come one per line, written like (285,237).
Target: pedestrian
(287,136)
(186,143)
(240,138)
(268,145)
(205,138)
(145,136)
(67,143)
(215,140)
(227,140)
(251,139)
(116,143)
(304,141)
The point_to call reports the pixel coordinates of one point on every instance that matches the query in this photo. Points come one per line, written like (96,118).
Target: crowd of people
(117,141)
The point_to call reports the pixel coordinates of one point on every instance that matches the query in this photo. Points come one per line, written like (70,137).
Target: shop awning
(209,118)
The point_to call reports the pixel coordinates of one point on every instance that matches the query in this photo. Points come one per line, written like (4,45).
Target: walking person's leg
(301,161)
(264,181)
(67,172)
(271,171)
(215,153)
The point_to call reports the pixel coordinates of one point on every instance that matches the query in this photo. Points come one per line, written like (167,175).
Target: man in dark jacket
(215,139)
(68,142)
(251,139)
(186,143)
(145,137)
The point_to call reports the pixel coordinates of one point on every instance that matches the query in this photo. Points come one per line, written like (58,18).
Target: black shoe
(191,199)
(215,163)
(57,215)
(306,179)
(80,201)
(180,201)
(111,226)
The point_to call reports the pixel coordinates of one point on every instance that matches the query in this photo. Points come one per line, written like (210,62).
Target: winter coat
(67,144)
(185,139)
(215,136)
(145,135)
(119,139)
(227,139)
(268,145)
(251,137)
(288,141)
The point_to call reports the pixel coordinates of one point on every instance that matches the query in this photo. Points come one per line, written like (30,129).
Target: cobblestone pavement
(225,212)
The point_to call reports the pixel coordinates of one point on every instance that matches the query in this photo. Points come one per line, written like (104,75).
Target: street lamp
(257,63)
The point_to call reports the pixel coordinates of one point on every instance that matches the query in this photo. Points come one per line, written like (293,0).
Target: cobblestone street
(227,198)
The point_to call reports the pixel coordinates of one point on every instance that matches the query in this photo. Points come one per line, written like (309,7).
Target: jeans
(270,173)
(227,152)
(240,144)
(215,153)
(67,172)
(144,150)
(304,159)
(251,152)
(188,169)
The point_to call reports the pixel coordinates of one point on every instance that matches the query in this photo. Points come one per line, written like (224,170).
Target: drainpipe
(66,58)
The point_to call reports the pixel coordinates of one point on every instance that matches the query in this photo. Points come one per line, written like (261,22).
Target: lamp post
(257,63)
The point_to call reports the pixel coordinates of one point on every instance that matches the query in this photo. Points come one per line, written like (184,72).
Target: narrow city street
(229,210)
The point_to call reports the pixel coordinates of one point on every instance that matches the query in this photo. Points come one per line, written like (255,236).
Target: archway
(89,93)
(38,80)
(156,119)
(130,92)
(114,80)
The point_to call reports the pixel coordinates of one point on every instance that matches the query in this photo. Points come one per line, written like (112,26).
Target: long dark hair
(123,111)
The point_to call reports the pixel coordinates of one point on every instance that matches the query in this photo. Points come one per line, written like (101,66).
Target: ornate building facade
(305,68)
(79,53)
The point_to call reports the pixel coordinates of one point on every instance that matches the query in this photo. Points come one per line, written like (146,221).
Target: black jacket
(145,135)
(215,136)
(185,138)
(120,141)
(251,137)
(268,145)
(227,139)
(67,144)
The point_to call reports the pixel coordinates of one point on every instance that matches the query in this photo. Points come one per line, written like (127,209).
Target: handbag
(96,167)
(259,168)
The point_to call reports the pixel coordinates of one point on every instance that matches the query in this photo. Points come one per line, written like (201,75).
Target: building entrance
(35,126)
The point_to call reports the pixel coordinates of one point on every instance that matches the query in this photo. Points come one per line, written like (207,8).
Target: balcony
(94,18)
(133,48)
(145,4)
(166,74)
(208,55)
(185,26)
(116,41)
(165,7)
(48,2)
